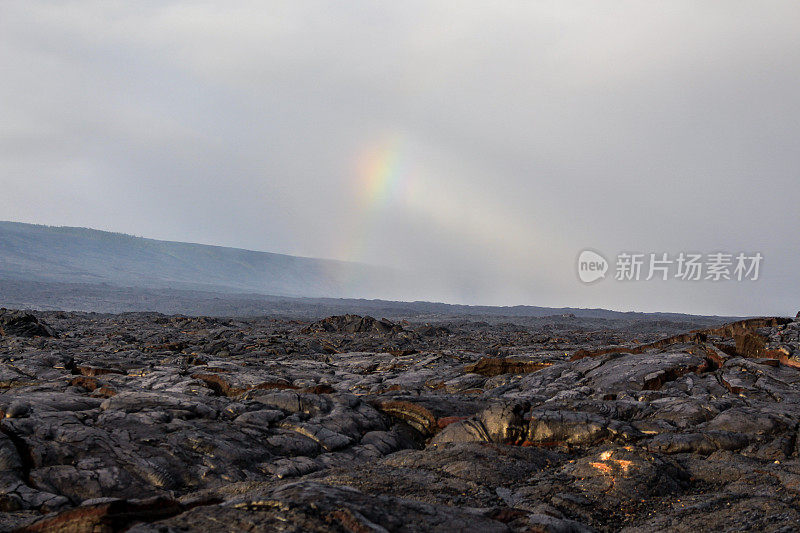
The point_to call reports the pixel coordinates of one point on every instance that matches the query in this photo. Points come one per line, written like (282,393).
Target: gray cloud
(518,135)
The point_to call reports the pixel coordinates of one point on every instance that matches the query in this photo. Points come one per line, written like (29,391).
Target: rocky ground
(146,422)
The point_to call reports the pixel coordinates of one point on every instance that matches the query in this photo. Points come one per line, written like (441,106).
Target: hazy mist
(485,146)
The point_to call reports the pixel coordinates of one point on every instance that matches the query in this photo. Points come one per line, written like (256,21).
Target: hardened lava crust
(152,423)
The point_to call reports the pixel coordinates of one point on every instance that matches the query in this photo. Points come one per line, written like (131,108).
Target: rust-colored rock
(92,371)
(496,366)
(414,414)
(109,517)
(748,343)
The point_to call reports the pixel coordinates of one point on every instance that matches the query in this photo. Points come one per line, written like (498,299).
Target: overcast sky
(491,144)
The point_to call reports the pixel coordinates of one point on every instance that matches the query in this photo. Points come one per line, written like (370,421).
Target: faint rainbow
(381,180)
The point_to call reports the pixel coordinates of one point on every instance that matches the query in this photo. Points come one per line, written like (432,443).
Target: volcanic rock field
(153,423)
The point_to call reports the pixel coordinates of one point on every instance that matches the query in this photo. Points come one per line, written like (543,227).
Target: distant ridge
(69,268)
(32,252)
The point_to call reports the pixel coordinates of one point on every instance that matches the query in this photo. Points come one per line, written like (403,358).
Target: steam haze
(483,146)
